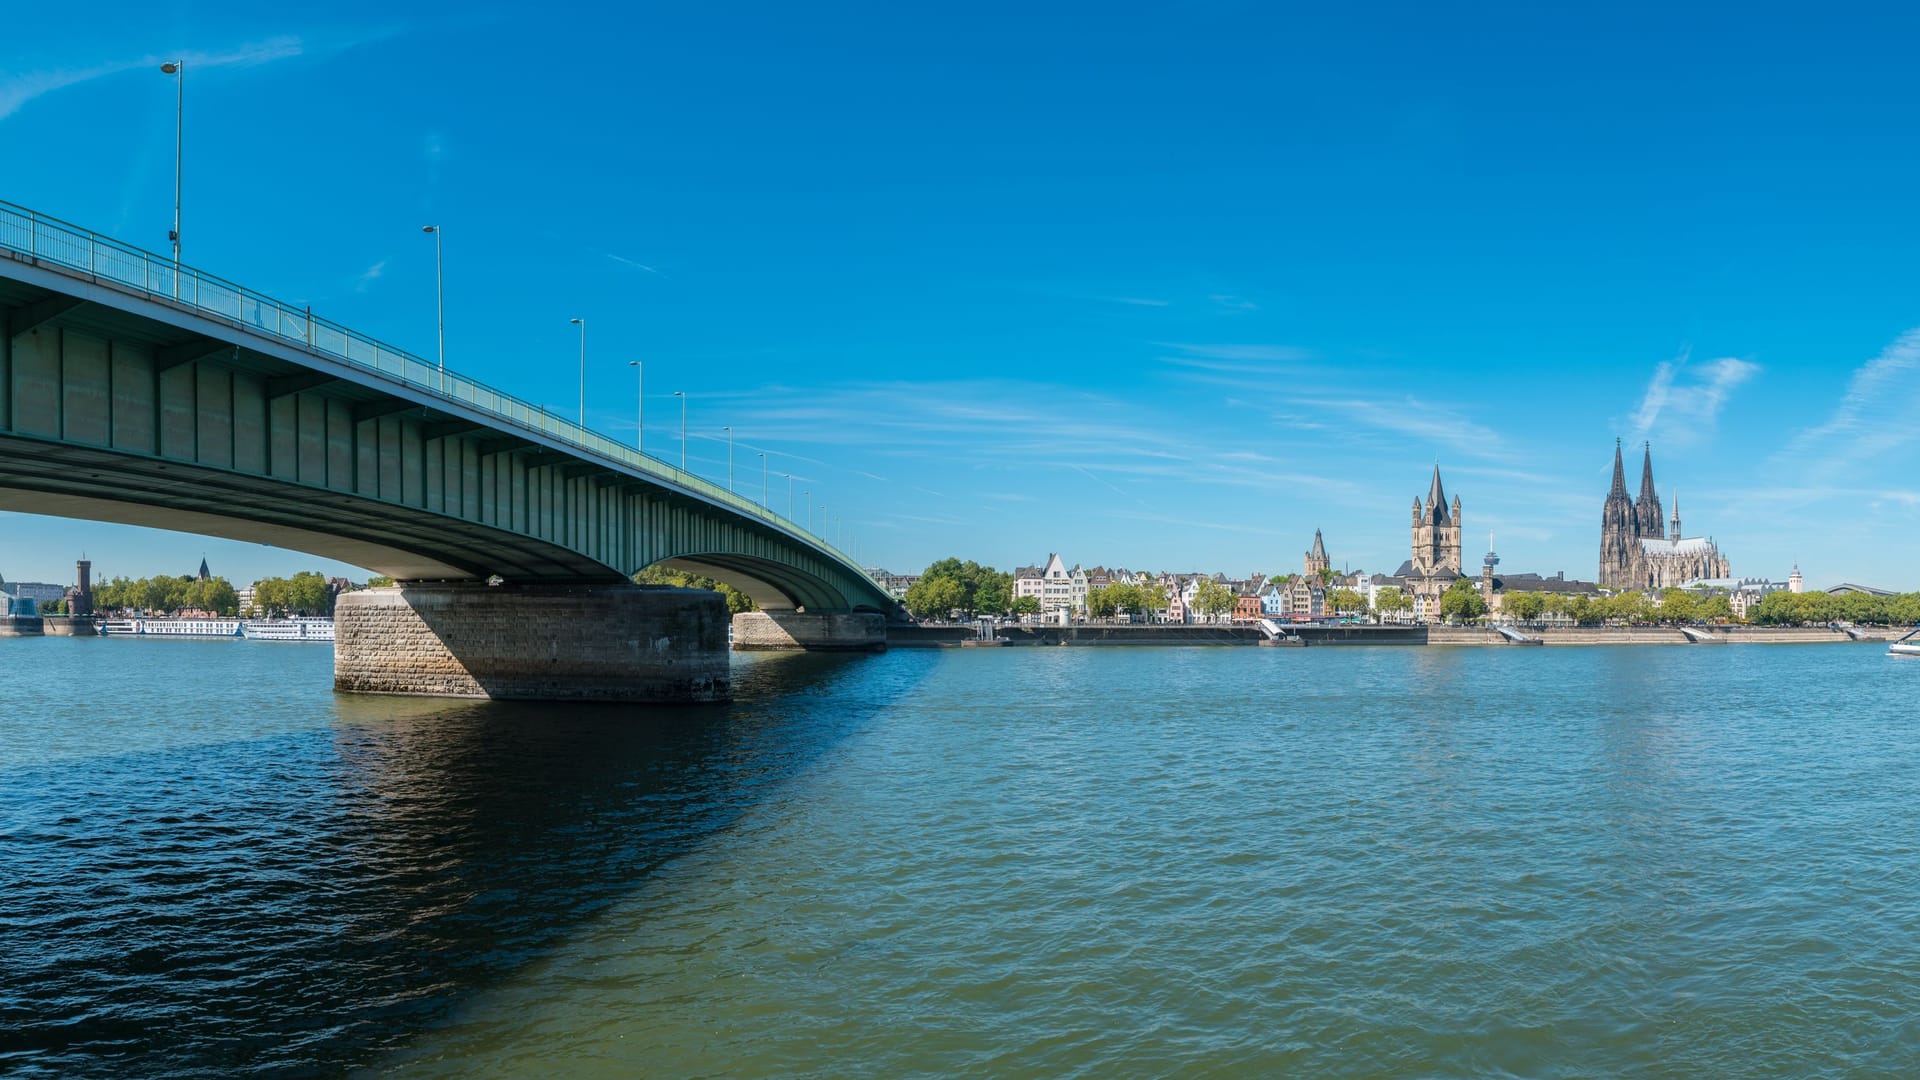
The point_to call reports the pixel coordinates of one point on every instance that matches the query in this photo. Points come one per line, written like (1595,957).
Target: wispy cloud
(1233,357)
(1230,302)
(16,91)
(1875,417)
(1434,424)
(624,261)
(1689,395)
(370,275)
(1134,301)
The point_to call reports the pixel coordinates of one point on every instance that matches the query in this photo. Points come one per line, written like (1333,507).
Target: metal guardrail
(49,240)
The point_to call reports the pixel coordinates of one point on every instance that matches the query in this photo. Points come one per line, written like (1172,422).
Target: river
(1382,862)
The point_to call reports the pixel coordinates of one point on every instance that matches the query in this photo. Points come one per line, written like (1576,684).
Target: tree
(1462,602)
(1346,601)
(1101,602)
(737,601)
(1024,605)
(936,597)
(979,589)
(379,581)
(1213,599)
(1523,606)
(1390,600)
(1678,607)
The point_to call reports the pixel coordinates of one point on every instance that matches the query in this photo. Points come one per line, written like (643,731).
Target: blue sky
(1160,287)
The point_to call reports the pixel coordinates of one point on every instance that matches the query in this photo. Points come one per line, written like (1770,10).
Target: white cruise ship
(302,629)
(171,627)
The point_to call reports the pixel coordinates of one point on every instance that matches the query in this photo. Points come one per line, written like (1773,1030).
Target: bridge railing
(49,240)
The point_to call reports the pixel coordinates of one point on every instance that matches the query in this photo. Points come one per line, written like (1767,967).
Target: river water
(1650,861)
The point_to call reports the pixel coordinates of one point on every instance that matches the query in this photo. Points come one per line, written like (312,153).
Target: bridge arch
(134,392)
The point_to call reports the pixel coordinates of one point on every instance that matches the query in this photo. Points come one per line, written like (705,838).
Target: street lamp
(729,432)
(763,482)
(439,299)
(178,69)
(582,324)
(806,503)
(639,406)
(683,428)
(789,477)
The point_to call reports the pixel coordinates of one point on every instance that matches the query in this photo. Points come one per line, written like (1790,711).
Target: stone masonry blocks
(541,643)
(756,631)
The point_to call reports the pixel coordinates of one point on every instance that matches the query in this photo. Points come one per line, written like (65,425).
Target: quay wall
(939,635)
(1637,635)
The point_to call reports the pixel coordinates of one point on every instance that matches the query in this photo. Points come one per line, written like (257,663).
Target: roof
(1692,545)
(1848,587)
(1539,583)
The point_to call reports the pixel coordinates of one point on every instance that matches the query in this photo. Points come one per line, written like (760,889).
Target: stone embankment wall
(71,625)
(760,631)
(541,643)
(934,635)
(1635,635)
(21,626)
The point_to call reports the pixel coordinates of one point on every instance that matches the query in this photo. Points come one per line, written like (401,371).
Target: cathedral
(1635,550)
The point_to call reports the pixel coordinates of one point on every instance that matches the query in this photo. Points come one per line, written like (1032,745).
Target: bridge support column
(541,643)
(757,631)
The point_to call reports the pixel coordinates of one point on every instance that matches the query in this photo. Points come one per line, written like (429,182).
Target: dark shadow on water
(301,905)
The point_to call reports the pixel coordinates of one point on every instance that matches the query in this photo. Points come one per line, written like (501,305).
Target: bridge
(137,391)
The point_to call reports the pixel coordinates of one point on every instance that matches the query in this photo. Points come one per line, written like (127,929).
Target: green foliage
(967,587)
(1024,605)
(1389,600)
(1461,602)
(166,594)
(1523,606)
(379,581)
(1678,607)
(1100,602)
(1815,608)
(1212,599)
(737,601)
(1346,600)
(305,593)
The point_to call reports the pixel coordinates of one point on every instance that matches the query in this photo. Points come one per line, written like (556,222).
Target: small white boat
(1906,646)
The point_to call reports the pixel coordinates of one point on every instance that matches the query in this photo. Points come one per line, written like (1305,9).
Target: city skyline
(1094,292)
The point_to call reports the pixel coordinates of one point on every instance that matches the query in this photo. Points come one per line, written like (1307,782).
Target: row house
(1058,589)
(1294,598)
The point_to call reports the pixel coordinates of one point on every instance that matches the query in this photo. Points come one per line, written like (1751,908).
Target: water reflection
(301,901)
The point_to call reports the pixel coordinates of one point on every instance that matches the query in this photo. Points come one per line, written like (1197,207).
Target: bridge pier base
(760,631)
(539,643)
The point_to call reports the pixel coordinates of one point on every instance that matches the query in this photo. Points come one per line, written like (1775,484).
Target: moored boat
(298,629)
(1906,646)
(139,627)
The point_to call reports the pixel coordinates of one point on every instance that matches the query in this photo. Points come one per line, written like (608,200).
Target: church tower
(1677,534)
(1317,558)
(1647,508)
(1436,531)
(1619,528)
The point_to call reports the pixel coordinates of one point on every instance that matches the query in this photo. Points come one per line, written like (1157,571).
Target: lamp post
(639,406)
(729,432)
(582,324)
(683,428)
(178,69)
(806,503)
(439,299)
(763,482)
(789,477)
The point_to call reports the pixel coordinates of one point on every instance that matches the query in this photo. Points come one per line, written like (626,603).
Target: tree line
(166,594)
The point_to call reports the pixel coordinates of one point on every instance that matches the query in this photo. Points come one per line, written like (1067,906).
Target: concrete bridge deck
(135,391)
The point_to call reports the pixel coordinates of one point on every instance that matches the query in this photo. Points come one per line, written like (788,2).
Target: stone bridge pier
(533,642)
(854,631)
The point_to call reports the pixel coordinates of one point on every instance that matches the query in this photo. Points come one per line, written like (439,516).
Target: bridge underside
(133,409)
